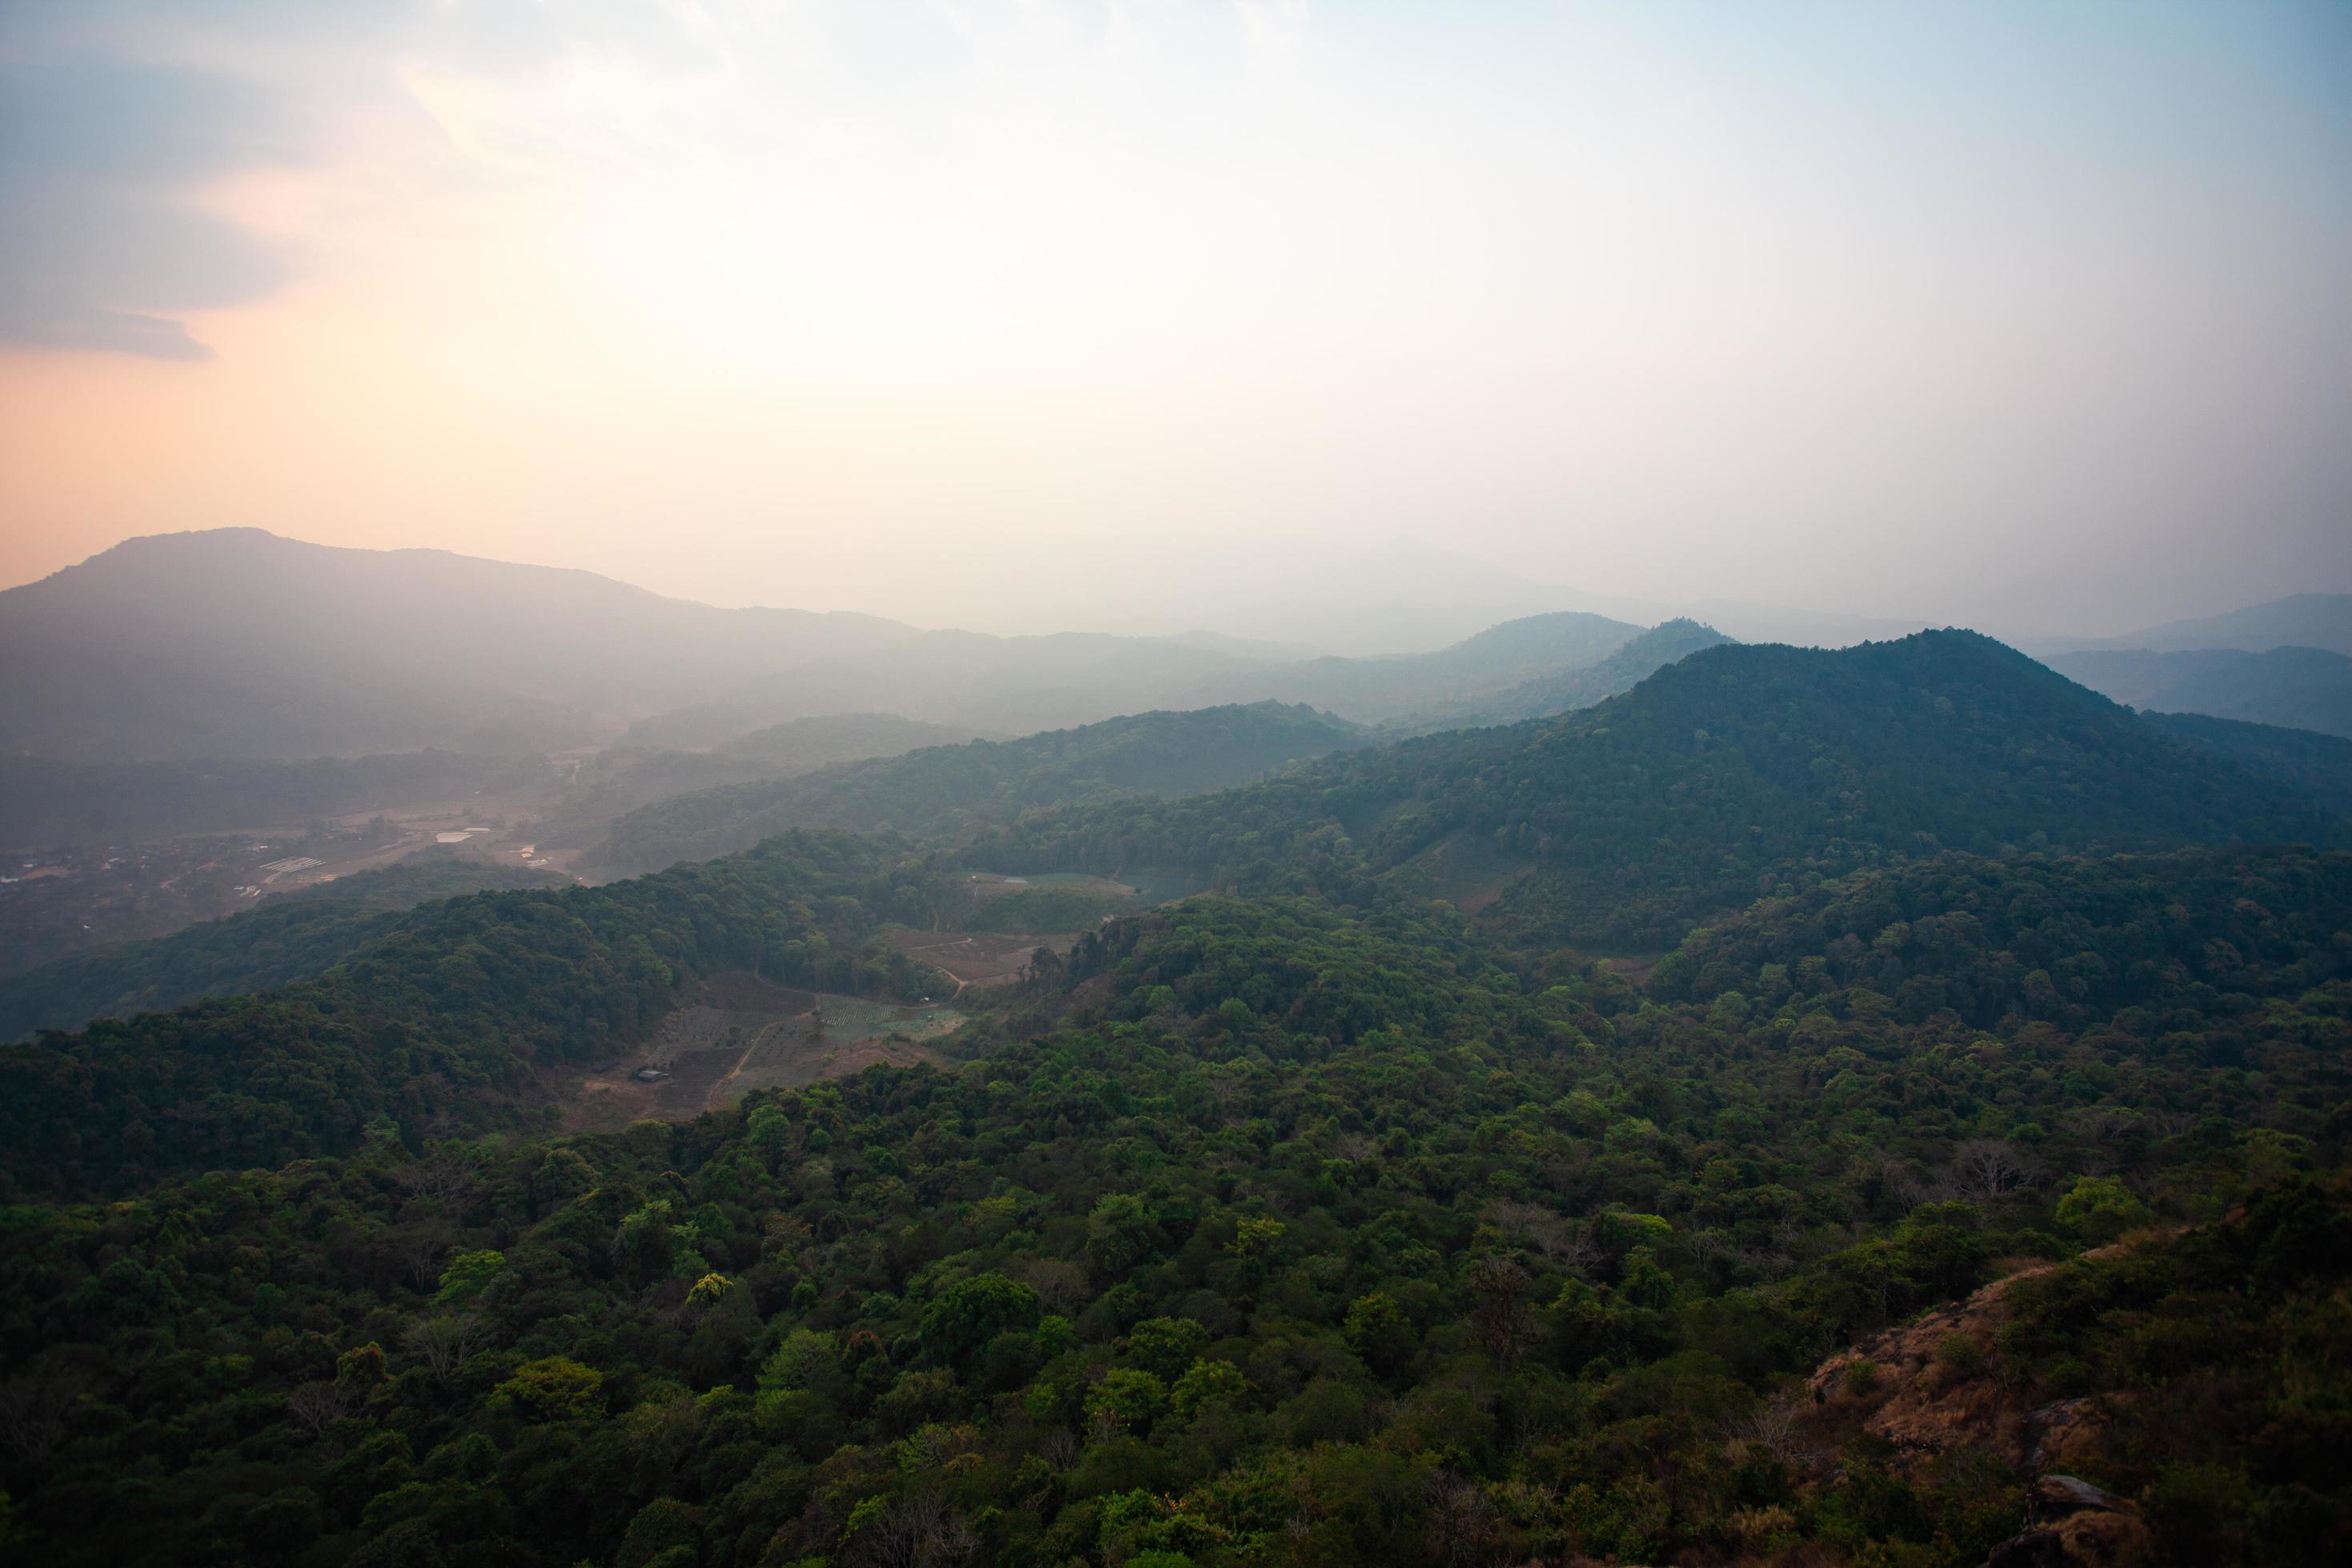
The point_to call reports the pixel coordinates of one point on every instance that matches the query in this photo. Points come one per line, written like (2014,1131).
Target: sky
(1033,314)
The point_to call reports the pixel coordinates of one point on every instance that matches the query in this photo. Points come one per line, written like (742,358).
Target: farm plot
(743,1034)
(842,1034)
(975,958)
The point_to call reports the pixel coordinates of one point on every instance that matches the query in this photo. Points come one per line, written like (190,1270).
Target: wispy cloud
(1652,296)
(104,166)
(122,121)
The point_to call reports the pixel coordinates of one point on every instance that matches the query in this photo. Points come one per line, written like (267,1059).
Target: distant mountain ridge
(2301,687)
(1738,773)
(1451,678)
(1741,769)
(2299,620)
(235,643)
(238,642)
(1621,671)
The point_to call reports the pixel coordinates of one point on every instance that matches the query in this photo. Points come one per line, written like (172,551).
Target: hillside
(1307,1221)
(2300,687)
(287,939)
(235,643)
(1270,1233)
(620,779)
(2318,765)
(2299,620)
(1739,771)
(447,1017)
(238,642)
(942,791)
(1373,691)
(1630,664)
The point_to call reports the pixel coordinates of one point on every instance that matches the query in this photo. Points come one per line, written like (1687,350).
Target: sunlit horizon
(1008,315)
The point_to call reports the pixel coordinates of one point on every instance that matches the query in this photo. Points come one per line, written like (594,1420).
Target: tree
(2100,1208)
(645,1244)
(968,1314)
(1498,1310)
(1206,1383)
(553,1388)
(1128,1399)
(1120,1234)
(468,1274)
(1379,1332)
(444,1341)
(1165,1347)
(1986,1169)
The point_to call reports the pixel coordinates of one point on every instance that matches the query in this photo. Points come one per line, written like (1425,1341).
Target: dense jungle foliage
(1263,1231)
(1310,1221)
(1739,772)
(289,938)
(2321,765)
(443,1020)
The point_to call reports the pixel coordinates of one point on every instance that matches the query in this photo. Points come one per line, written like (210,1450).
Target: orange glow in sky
(977,312)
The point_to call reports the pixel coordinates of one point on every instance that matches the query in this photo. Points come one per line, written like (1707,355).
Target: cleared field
(743,1034)
(975,958)
(991,884)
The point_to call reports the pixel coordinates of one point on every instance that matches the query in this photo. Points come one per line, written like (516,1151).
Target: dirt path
(719,1088)
(990,958)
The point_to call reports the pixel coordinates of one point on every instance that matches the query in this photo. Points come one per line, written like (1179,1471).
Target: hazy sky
(987,311)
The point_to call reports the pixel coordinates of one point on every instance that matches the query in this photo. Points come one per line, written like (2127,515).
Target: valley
(1210,783)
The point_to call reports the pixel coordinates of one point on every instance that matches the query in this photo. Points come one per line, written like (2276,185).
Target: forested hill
(1738,773)
(1313,1227)
(2319,766)
(447,1018)
(942,790)
(288,938)
(1277,1235)
(1452,679)
(620,779)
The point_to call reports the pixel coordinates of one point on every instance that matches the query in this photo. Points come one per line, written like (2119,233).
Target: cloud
(68,322)
(102,166)
(118,119)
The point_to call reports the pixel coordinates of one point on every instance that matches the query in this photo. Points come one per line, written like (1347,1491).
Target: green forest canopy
(1309,1221)
(1259,1235)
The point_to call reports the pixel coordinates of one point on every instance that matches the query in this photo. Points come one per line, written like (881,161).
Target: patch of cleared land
(975,958)
(1465,870)
(741,1033)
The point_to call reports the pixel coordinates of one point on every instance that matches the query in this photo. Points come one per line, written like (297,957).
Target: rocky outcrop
(1933,1387)
(2069,1523)
(1936,1385)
